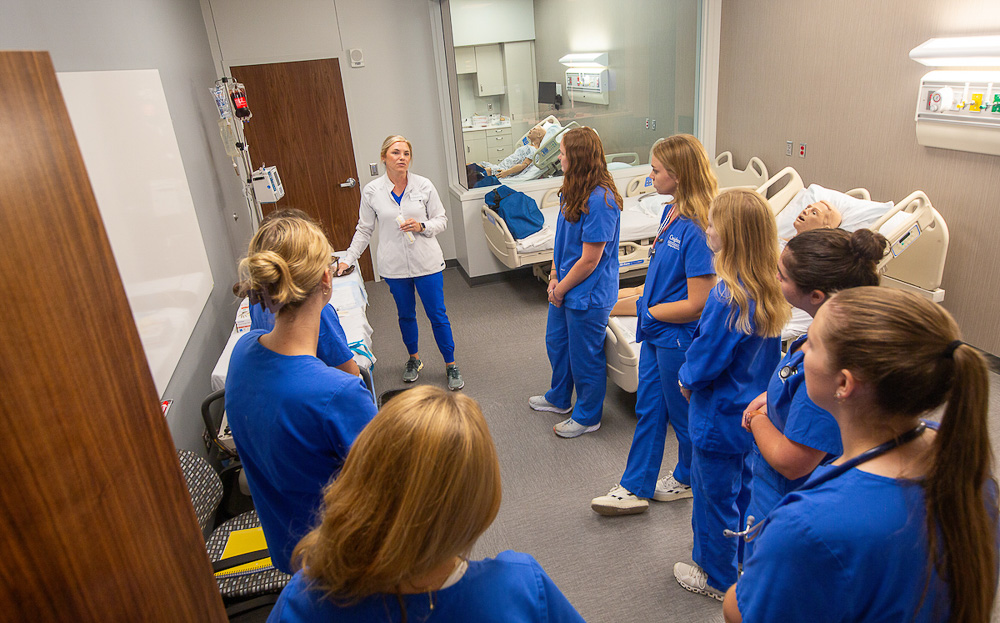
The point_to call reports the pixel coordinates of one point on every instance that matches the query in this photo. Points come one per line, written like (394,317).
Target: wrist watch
(423,226)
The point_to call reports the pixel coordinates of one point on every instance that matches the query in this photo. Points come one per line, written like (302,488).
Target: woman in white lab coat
(410,214)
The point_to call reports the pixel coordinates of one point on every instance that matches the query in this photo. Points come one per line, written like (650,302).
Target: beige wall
(837,76)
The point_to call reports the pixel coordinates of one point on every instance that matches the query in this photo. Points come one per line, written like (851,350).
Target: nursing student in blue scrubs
(419,487)
(293,417)
(910,534)
(583,285)
(736,346)
(678,281)
(792,436)
(332,348)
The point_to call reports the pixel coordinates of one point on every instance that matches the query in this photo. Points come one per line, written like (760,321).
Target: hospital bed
(918,247)
(640,220)
(546,159)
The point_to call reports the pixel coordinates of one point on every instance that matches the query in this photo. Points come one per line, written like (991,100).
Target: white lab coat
(398,258)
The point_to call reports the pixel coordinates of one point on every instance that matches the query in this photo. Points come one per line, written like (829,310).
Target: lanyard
(671,217)
(752,530)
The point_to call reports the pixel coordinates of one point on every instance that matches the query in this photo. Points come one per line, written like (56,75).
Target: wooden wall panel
(838,77)
(95,519)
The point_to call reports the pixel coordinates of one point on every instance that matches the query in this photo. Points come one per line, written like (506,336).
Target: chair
(222,453)
(243,592)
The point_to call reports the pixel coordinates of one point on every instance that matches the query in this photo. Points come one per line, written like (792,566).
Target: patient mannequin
(521,158)
(817,216)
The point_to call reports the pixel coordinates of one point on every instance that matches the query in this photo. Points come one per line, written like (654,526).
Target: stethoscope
(752,530)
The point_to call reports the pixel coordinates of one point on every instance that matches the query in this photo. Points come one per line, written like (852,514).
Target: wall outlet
(489,106)
(647,123)
(789,145)
(802,150)
(653,125)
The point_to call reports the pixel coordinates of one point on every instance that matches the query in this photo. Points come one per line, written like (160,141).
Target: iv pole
(230,98)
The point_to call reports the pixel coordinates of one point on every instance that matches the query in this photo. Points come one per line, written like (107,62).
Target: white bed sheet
(637,222)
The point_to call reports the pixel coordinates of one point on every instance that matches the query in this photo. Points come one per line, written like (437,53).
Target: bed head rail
(550,198)
(729,176)
(780,189)
(918,246)
(628,157)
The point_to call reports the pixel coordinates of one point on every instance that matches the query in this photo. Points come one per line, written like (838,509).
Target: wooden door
(300,125)
(96,523)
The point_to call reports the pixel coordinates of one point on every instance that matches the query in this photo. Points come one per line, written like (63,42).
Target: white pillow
(856,213)
(652,204)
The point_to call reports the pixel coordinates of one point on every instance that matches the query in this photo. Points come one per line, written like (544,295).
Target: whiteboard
(128,144)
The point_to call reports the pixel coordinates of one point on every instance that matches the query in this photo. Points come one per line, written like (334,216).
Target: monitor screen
(546,92)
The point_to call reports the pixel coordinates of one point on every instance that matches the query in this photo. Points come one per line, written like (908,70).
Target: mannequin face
(817,216)
(663,180)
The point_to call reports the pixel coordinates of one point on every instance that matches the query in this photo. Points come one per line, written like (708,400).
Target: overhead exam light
(981,51)
(585,59)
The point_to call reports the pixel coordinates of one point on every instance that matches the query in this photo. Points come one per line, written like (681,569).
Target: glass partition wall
(523,72)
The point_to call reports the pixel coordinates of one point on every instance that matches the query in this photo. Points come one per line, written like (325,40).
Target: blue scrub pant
(574,339)
(718,481)
(658,401)
(431,291)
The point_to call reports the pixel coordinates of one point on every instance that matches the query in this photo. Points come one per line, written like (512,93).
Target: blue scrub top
(725,369)
(332,348)
(852,549)
(796,416)
(513,587)
(602,224)
(681,253)
(293,420)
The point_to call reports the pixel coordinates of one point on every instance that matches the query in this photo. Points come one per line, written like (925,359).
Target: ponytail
(961,532)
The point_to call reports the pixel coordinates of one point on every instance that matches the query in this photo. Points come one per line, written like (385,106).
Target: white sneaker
(668,489)
(693,578)
(571,428)
(539,403)
(619,501)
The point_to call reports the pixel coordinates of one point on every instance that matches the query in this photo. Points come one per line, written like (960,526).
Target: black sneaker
(455,381)
(412,370)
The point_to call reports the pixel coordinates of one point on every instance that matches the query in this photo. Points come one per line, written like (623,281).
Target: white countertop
(486,127)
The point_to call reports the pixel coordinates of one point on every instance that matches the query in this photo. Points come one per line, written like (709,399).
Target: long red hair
(587,170)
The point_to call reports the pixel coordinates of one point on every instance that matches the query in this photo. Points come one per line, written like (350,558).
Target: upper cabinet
(489,70)
(465,60)
(474,22)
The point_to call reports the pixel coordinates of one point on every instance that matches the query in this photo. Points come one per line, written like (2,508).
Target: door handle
(350,183)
